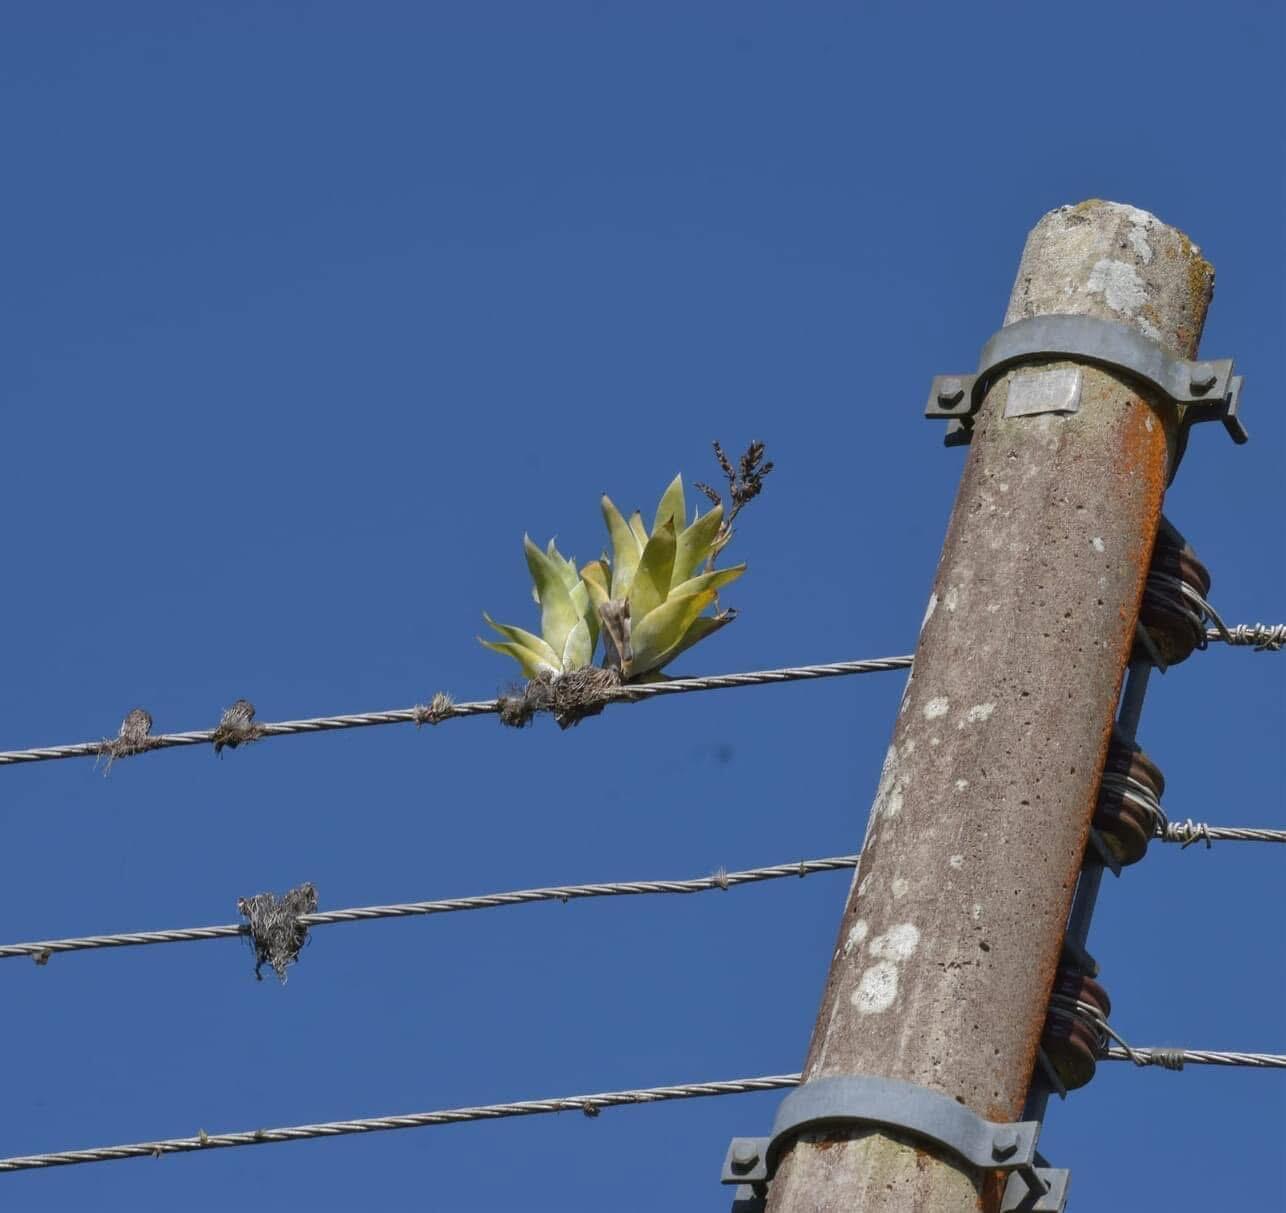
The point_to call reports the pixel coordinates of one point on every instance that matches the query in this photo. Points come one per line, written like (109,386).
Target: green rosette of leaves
(652,598)
(568,625)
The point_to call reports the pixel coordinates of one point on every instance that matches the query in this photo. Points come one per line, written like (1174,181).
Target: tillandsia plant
(652,598)
(649,599)
(568,627)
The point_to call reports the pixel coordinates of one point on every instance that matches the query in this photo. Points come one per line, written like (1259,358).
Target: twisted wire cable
(1176,1059)
(1062,1006)
(1184,833)
(1263,637)
(42,950)
(1188,832)
(1204,611)
(589,1105)
(1266,637)
(442,709)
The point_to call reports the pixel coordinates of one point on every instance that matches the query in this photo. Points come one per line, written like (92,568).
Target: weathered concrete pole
(946,952)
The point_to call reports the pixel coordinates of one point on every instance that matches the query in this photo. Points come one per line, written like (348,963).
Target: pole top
(1115,262)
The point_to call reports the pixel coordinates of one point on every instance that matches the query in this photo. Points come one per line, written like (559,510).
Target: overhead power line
(589,1105)
(1266,637)
(237,730)
(1188,832)
(239,727)
(1184,833)
(43,949)
(1176,1059)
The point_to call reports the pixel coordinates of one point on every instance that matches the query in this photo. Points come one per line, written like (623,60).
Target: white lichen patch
(953,598)
(956,861)
(961,784)
(1098,545)
(864,884)
(897,943)
(1140,222)
(1119,284)
(899,887)
(856,936)
(940,705)
(893,784)
(977,714)
(878,989)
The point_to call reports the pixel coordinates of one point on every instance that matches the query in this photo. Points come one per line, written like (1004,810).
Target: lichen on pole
(949,940)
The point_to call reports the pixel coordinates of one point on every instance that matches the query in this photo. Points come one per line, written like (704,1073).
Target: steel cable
(1183,833)
(589,1105)
(42,950)
(1263,637)
(434,713)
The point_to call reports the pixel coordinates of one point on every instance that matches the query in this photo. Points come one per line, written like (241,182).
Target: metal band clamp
(864,1100)
(1202,391)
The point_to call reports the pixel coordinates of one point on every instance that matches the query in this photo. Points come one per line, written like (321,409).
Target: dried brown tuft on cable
(237,727)
(134,738)
(436,710)
(276,934)
(569,698)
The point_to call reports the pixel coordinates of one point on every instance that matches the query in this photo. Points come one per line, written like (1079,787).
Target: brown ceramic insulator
(1124,824)
(1071,1039)
(1174,624)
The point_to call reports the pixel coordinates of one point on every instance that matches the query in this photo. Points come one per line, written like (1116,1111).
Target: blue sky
(311,310)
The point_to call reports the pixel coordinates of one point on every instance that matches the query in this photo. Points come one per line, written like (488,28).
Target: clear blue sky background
(310,310)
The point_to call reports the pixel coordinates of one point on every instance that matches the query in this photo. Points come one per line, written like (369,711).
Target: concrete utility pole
(947,949)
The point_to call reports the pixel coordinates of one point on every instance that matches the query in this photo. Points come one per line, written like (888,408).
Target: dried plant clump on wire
(653,598)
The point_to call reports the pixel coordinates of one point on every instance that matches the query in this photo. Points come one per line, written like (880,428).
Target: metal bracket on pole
(862,1100)
(1202,391)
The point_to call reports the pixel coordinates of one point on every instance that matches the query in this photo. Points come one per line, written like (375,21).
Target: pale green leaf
(663,629)
(694,545)
(531,663)
(671,507)
(579,649)
(699,629)
(714,580)
(640,531)
(652,577)
(594,576)
(566,568)
(626,549)
(526,639)
(558,614)
(587,611)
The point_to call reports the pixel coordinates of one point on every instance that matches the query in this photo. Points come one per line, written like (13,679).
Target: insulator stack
(1073,1039)
(1129,811)
(1173,599)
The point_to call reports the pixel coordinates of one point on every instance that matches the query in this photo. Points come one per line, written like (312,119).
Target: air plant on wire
(653,598)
